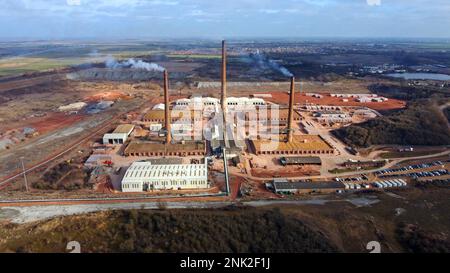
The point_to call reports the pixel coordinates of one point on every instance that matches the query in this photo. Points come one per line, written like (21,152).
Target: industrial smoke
(264,62)
(134,64)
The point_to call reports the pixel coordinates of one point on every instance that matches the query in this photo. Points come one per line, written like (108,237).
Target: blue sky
(50,19)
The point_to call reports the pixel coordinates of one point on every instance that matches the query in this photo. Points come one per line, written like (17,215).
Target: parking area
(394,183)
(407,169)
(416,175)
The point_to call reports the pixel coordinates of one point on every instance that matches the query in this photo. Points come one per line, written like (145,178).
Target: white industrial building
(205,102)
(159,106)
(197,102)
(115,138)
(120,134)
(145,176)
(155,127)
(354,95)
(315,108)
(233,101)
(332,116)
(314,95)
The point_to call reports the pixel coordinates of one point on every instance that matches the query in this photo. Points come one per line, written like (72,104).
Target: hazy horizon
(229,39)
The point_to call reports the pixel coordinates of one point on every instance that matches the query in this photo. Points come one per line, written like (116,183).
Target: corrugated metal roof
(143,147)
(301,160)
(115,136)
(165,161)
(124,129)
(145,170)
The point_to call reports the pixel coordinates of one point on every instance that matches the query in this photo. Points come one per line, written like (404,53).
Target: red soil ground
(111,96)
(235,185)
(173,98)
(45,124)
(54,121)
(283,98)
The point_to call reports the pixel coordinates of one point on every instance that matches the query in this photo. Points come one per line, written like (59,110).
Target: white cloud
(270,11)
(73,2)
(374,2)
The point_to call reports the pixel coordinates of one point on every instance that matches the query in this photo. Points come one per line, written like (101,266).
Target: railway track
(5,181)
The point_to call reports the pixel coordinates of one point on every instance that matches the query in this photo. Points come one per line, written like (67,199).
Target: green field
(21,65)
(48,61)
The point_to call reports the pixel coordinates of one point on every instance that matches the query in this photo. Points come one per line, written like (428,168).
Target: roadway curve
(391,164)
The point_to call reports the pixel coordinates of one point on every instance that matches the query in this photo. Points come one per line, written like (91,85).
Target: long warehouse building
(145,176)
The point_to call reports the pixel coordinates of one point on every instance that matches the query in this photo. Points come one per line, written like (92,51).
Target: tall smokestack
(224,77)
(291,110)
(166,107)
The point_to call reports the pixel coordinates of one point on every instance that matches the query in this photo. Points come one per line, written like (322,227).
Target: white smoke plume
(264,62)
(134,64)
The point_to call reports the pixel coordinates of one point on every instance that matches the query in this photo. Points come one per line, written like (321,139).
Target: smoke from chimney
(265,63)
(112,63)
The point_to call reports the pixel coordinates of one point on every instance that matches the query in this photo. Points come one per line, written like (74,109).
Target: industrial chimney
(166,108)
(224,78)
(290,129)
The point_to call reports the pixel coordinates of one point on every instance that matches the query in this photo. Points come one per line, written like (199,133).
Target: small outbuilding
(119,135)
(285,187)
(301,160)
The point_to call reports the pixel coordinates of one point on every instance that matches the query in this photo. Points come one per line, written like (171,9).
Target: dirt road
(22,214)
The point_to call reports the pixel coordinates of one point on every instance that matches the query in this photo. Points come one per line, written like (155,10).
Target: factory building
(200,103)
(301,161)
(155,127)
(354,95)
(191,148)
(170,123)
(365,113)
(159,106)
(313,107)
(364,164)
(314,95)
(233,102)
(282,186)
(197,102)
(119,135)
(300,145)
(291,144)
(145,176)
(332,116)
(380,99)
(175,115)
(268,114)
